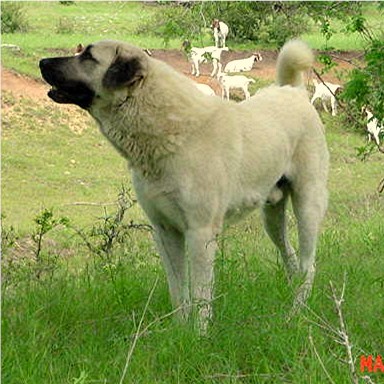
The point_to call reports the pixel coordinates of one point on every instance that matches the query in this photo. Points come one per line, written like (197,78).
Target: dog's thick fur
(198,161)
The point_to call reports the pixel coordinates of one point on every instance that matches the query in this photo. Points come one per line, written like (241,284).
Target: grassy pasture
(76,323)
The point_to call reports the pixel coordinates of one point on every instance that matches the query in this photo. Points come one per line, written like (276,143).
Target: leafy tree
(263,22)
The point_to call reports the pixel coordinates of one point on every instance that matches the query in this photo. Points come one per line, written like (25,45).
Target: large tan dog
(198,161)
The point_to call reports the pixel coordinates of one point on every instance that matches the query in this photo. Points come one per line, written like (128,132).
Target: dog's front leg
(170,243)
(201,248)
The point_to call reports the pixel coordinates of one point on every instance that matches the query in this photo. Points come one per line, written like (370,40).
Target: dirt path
(22,86)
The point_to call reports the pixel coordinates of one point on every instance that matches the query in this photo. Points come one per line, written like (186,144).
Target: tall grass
(76,322)
(82,323)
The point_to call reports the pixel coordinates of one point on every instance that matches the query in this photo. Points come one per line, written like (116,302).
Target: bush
(260,22)
(13,18)
(365,85)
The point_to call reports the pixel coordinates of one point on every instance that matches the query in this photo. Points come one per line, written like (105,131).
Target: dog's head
(99,69)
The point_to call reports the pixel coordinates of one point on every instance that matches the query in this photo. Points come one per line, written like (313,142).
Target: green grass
(77,322)
(57,29)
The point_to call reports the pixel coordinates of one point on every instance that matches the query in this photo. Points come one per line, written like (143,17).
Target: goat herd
(197,56)
(324,91)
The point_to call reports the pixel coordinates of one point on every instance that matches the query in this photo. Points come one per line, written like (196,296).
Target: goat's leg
(323,102)
(216,36)
(227,92)
(196,66)
(215,66)
(219,70)
(334,106)
(223,93)
(246,93)
(376,138)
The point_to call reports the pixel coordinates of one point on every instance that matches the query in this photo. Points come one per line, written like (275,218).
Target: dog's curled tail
(294,58)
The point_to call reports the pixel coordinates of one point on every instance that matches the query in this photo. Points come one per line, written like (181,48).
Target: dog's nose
(43,63)
(47,70)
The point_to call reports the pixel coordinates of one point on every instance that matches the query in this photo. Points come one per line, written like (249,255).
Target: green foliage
(45,222)
(24,260)
(364,87)
(111,230)
(364,91)
(8,235)
(262,22)
(13,17)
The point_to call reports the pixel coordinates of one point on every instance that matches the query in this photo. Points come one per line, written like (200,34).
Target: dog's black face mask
(65,88)
(95,73)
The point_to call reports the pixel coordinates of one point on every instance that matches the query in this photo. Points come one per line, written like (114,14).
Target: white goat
(373,127)
(326,92)
(230,82)
(220,32)
(197,56)
(206,89)
(243,65)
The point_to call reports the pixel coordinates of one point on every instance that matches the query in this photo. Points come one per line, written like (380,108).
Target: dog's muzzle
(65,90)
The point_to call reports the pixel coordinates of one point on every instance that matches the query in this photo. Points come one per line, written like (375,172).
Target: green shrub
(13,18)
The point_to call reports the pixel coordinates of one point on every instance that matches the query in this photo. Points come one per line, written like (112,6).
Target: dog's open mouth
(64,89)
(59,95)
(72,93)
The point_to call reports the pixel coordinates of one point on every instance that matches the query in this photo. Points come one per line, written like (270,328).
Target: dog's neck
(141,137)
(149,124)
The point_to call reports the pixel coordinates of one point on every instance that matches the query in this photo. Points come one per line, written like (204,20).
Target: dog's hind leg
(170,243)
(275,223)
(309,205)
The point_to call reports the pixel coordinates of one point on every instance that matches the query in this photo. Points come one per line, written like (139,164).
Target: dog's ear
(124,71)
